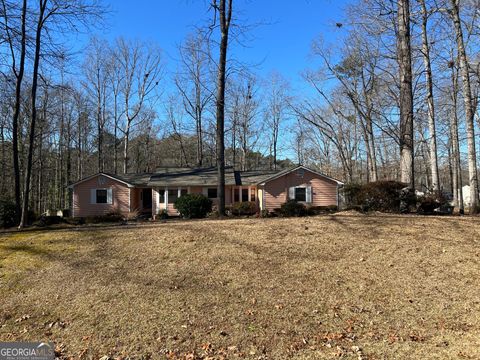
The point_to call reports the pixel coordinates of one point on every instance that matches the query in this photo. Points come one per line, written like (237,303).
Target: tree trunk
(33,119)
(225,17)
(456,164)
(198,110)
(125,148)
(430,103)
(404,55)
(17,105)
(469,108)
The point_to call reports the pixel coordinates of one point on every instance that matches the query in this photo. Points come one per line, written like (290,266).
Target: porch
(163,198)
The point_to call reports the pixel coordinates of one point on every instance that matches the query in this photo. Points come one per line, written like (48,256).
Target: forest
(396,98)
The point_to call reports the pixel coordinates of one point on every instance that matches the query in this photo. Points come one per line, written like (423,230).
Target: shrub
(385,196)
(351,193)
(163,215)
(110,217)
(133,215)
(317,210)
(244,208)
(193,206)
(428,203)
(7,213)
(48,220)
(293,208)
(264,213)
(275,213)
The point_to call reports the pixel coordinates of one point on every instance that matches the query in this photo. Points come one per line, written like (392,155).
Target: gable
(100,179)
(300,171)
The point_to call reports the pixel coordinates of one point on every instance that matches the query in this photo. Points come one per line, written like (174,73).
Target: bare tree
(18,73)
(468,105)
(116,79)
(455,143)
(430,99)
(57,14)
(246,130)
(97,81)
(224,9)
(404,57)
(356,73)
(141,67)
(192,83)
(275,112)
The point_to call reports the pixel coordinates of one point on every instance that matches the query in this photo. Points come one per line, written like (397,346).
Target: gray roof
(256,176)
(169,176)
(190,177)
(141,179)
(195,177)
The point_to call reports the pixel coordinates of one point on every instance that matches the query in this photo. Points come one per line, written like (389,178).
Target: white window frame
(308,193)
(94,197)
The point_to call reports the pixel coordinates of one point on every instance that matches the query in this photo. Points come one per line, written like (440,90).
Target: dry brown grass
(356,287)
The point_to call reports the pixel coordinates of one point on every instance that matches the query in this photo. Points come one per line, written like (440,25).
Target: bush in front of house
(244,208)
(111,217)
(193,206)
(48,220)
(7,213)
(428,203)
(264,213)
(293,208)
(384,196)
(319,210)
(351,193)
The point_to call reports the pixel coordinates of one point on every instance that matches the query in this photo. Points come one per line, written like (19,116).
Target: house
(152,193)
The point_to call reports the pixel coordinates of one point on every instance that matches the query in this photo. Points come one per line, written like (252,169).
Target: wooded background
(397,98)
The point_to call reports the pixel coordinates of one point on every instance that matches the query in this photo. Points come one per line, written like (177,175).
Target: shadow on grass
(30,249)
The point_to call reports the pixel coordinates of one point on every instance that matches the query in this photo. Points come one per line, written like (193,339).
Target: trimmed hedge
(384,196)
(244,208)
(111,217)
(293,208)
(193,206)
(319,210)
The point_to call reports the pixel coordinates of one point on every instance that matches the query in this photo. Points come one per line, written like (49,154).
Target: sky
(281,42)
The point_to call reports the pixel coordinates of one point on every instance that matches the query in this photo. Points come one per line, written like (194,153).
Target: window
(172,195)
(236,195)
(252,194)
(102,196)
(244,194)
(161,196)
(300,194)
(212,193)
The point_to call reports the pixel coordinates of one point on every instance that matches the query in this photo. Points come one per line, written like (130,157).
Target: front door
(147,198)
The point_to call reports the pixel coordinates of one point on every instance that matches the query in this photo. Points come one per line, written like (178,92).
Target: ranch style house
(153,193)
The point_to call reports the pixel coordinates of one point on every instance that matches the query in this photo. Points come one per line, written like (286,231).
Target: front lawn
(352,286)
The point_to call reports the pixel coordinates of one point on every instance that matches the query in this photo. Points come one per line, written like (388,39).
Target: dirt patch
(394,287)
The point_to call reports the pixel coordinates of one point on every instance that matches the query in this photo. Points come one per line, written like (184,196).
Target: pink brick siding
(324,191)
(81,197)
